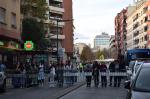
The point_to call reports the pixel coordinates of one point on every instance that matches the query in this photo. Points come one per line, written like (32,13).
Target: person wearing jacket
(111,69)
(103,69)
(88,72)
(95,73)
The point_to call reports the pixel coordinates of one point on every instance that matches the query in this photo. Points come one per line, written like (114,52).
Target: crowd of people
(100,69)
(55,73)
(38,72)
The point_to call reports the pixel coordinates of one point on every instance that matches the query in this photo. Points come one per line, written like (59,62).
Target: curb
(68,90)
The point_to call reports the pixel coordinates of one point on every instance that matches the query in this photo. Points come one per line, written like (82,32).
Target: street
(96,93)
(53,93)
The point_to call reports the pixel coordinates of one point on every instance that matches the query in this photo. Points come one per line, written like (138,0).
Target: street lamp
(58,20)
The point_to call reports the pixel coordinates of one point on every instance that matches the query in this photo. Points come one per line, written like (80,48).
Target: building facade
(120,31)
(102,41)
(55,26)
(78,48)
(9,27)
(112,47)
(138,32)
(67,43)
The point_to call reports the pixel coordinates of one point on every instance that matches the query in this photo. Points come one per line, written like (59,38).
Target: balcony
(60,37)
(58,0)
(56,9)
(54,23)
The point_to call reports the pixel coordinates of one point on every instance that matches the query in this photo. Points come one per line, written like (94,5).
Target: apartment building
(120,31)
(67,43)
(55,25)
(9,27)
(138,25)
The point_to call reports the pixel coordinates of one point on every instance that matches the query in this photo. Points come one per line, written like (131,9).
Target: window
(13,20)
(146,19)
(145,28)
(2,15)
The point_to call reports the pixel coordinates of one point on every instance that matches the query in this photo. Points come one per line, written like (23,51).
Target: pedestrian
(103,69)
(111,70)
(88,72)
(117,79)
(60,71)
(52,76)
(95,73)
(2,67)
(41,74)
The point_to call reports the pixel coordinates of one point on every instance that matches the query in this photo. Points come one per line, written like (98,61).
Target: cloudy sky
(91,17)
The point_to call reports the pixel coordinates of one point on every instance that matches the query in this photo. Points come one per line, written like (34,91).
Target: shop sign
(28,45)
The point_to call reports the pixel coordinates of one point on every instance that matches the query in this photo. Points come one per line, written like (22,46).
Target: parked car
(139,86)
(133,67)
(2,82)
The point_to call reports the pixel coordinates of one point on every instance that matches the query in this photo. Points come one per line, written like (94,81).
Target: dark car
(139,86)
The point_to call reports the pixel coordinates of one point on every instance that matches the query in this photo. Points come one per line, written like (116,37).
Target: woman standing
(41,74)
(52,76)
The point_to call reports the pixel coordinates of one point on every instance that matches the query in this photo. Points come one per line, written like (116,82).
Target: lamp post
(58,34)
(59,69)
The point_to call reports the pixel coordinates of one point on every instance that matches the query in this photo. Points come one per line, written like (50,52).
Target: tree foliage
(34,8)
(105,53)
(87,54)
(34,31)
(99,53)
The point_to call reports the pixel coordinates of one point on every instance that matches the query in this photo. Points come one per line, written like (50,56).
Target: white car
(2,82)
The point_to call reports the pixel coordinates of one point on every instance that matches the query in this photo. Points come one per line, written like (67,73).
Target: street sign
(29,45)
(61,52)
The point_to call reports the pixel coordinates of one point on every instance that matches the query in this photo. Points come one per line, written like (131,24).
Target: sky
(92,17)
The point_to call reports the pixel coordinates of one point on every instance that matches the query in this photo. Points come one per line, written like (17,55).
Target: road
(96,93)
(51,93)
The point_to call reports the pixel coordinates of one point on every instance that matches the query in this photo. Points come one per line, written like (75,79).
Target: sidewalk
(39,92)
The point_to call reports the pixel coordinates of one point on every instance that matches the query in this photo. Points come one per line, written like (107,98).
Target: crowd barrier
(69,78)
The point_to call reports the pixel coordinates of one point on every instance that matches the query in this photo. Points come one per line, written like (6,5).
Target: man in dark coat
(103,69)
(95,73)
(111,69)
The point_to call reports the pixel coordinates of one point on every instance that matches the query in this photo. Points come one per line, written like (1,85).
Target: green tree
(87,54)
(34,8)
(34,31)
(99,53)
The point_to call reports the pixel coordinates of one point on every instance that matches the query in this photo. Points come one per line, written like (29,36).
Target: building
(120,31)
(138,32)
(78,48)
(102,41)
(55,26)
(9,29)
(67,43)
(112,47)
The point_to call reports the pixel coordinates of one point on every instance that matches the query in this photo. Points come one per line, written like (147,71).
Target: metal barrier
(111,78)
(28,80)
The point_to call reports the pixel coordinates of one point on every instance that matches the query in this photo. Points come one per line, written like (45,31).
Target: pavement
(39,92)
(97,93)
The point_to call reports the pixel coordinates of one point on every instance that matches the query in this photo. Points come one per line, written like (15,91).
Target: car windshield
(143,80)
